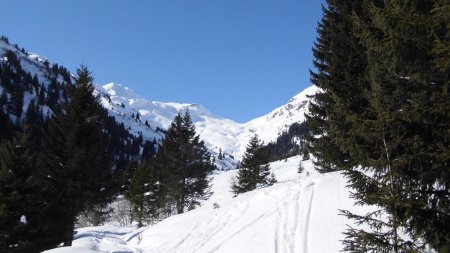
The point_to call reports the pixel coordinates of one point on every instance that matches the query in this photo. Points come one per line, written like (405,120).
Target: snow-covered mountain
(219,133)
(31,62)
(150,118)
(37,67)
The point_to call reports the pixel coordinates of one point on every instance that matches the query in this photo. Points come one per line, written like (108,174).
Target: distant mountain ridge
(150,119)
(219,133)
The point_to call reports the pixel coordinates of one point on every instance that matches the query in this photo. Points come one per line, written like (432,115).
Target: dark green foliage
(77,154)
(254,171)
(340,64)
(15,104)
(47,224)
(18,198)
(22,194)
(5,39)
(289,143)
(382,117)
(149,149)
(144,194)
(6,126)
(184,166)
(410,100)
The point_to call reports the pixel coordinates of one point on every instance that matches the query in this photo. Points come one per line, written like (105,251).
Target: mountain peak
(115,89)
(302,96)
(150,118)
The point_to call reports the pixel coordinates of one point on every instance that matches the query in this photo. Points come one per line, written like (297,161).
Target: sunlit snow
(299,214)
(219,133)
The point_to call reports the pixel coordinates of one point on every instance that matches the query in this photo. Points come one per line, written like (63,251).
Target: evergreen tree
(351,122)
(340,62)
(184,164)
(254,171)
(17,199)
(220,157)
(286,144)
(23,207)
(149,150)
(6,126)
(409,93)
(144,193)
(382,118)
(16,102)
(77,155)
(5,39)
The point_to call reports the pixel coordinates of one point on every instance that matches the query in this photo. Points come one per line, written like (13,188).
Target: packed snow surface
(298,214)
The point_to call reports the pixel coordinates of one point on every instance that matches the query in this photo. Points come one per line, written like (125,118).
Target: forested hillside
(61,153)
(30,81)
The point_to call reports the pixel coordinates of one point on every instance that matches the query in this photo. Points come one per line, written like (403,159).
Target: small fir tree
(300,168)
(220,157)
(254,171)
(143,193)
(19,200)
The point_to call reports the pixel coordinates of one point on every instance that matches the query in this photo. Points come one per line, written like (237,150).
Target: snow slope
(32,63)
(269,126)
(219,133)
(298,214)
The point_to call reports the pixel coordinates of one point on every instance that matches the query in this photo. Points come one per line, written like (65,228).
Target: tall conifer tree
(390,136)
(340,63)
(410,94)
(77,155)
(184,165)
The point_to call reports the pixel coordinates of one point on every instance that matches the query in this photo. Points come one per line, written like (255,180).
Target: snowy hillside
(269,126)
(37,67)
(124,104)
(32,63)
(298,214)
(219,133)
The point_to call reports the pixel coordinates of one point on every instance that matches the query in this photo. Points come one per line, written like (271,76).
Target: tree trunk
(393,196)
(68,237)
(181,202)
(180,205)
(141,214)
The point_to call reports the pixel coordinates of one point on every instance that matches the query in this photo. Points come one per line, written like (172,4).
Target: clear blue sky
(238,58)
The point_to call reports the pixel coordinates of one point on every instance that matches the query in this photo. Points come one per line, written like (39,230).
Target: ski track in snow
(299,214)
(310,189)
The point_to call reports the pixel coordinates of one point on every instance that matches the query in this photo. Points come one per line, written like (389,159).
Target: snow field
(100,239)
(299,214)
